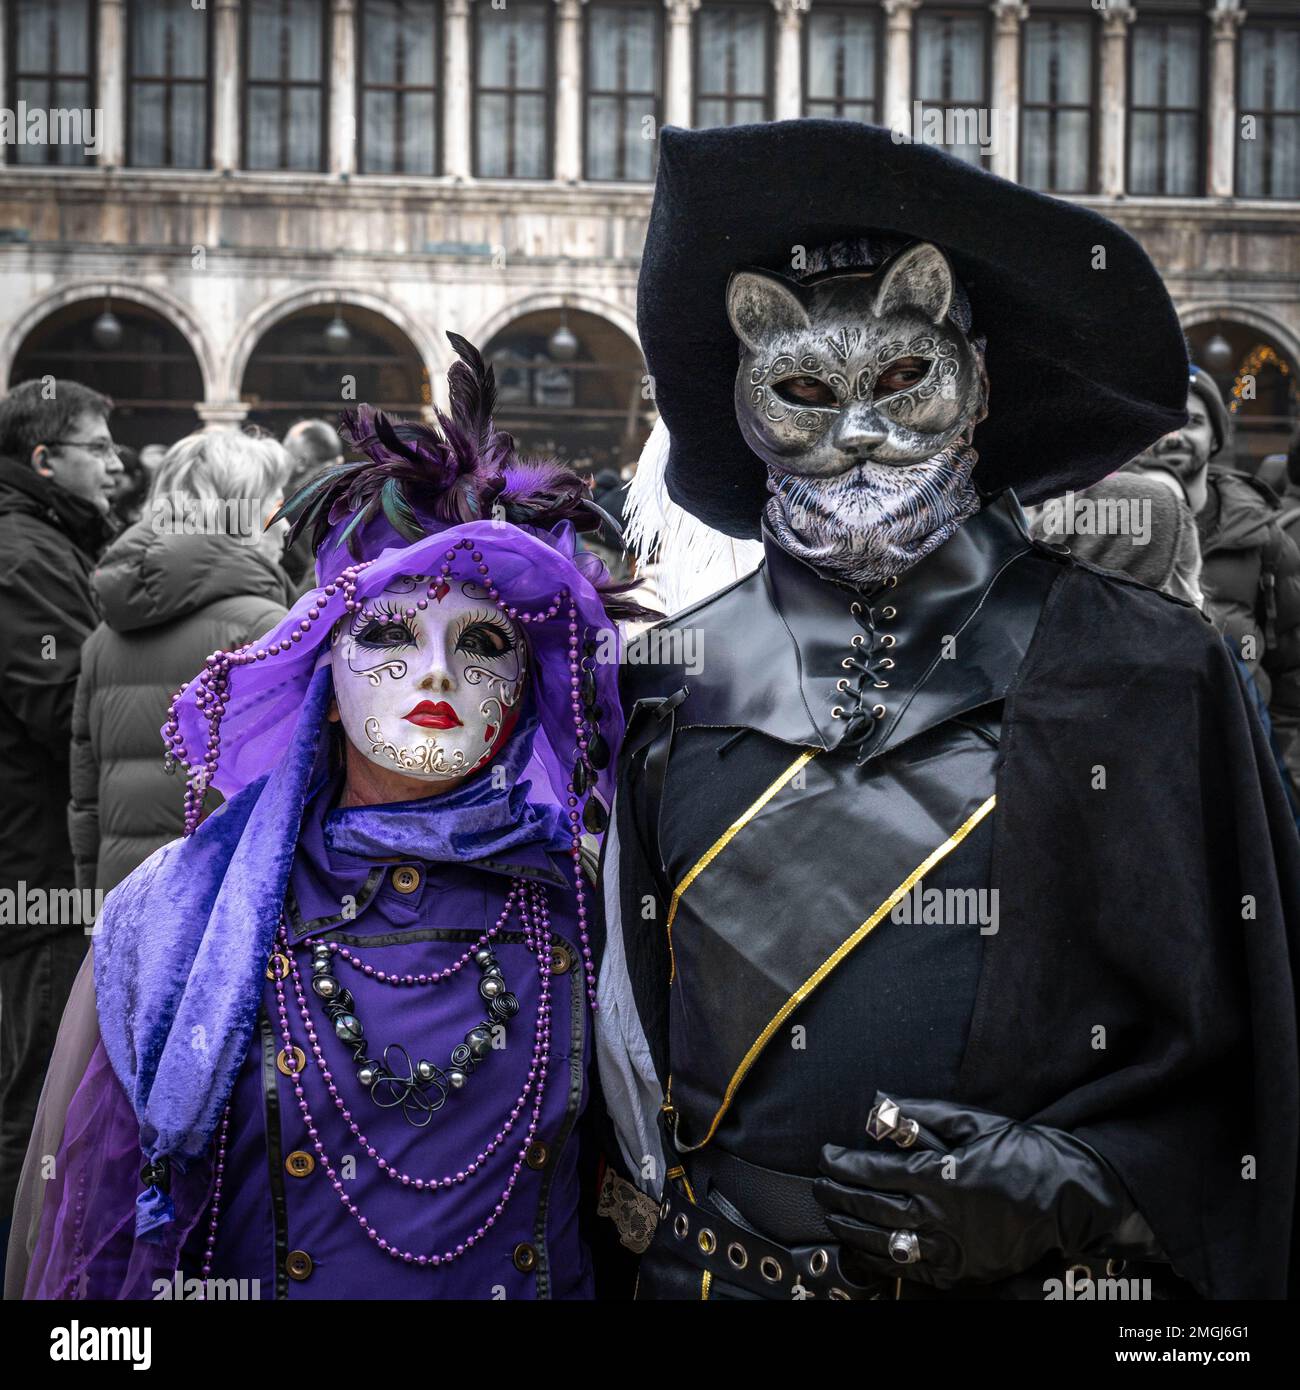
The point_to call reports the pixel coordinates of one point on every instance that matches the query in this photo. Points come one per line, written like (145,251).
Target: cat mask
(853,367)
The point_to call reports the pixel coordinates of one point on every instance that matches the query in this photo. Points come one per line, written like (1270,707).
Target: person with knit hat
(1250,566)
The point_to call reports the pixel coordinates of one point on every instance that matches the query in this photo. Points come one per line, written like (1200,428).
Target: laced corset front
(870,661)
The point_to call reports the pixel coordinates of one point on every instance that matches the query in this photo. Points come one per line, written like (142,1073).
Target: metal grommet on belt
(707,1241)
(737,1255)
(818,1263)
(298,1264)
(770,1268)
(1114,1267)
(405,878)
(681,1226)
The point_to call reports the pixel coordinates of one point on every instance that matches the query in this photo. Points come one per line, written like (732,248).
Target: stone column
(789,58)
(456,88)
(1221,174)
(1113,107)
(226,113)
(568,92)
(110,79)
(222,415)
(679,90)
(1007,18)
(343,90)
(896,106)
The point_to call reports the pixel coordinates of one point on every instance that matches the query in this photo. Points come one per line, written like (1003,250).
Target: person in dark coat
(1250,567)
(1290,518)
(58,473)
(172,589)
(952,897)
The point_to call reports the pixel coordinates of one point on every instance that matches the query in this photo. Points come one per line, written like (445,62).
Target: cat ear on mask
(919,278)
(760,304)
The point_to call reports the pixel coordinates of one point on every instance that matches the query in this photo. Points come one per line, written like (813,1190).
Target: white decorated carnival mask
(432,692)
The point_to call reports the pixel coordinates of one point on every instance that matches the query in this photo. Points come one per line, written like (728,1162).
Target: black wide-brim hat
(1086,360)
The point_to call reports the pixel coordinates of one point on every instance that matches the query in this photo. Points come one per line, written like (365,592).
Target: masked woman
(343,1025)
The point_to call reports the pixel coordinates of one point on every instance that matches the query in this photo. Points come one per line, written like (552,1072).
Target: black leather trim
(577,1079)
(298,928)
(274,1152)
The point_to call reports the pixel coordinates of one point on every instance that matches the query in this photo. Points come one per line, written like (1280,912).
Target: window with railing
(733,64)
(513,90)
(286,55)
(398,48)
(841,62)
(51,46)
(1057,85)
(1166,80)
(168,95)
(951,80)
(623,82)
(1268,114)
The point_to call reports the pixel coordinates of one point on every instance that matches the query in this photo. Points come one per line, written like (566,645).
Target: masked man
(948,894)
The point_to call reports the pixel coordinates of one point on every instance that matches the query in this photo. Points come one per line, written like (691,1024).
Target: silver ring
(904,1248)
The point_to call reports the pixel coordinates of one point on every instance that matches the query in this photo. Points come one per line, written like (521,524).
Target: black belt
(728,1197)
(712,1241)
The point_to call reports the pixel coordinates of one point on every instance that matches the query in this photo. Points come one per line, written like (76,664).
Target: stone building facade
(288,202)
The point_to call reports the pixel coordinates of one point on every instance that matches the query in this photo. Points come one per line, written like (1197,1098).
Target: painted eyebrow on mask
(484,618)
(387,614)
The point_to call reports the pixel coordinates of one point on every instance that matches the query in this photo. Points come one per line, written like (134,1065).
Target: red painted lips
(429,716)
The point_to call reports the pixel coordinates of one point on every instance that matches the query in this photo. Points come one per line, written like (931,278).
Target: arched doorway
(1258,379)
(325,358)
(147,367)
(569,384)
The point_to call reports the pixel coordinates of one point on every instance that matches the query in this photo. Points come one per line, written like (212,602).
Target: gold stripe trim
(837,956)
(723,841)
(705,1285)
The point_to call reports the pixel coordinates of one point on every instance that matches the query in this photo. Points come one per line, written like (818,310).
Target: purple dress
(281,1221)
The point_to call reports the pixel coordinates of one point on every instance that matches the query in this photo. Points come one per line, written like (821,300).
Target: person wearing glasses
(58,471)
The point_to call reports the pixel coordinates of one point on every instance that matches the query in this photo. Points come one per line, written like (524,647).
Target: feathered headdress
(417,480)
(414,475)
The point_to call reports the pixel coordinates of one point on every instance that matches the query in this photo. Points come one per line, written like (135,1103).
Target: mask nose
(439,681)
(860,430)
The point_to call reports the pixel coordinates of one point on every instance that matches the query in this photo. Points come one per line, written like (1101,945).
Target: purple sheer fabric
(86,1248)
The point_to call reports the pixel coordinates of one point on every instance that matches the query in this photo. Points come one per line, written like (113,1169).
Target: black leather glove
(1002,1197)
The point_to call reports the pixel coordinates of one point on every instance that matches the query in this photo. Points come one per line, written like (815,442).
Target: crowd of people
(124,570)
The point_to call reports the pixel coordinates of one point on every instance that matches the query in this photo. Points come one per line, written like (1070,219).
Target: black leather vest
(798,810)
